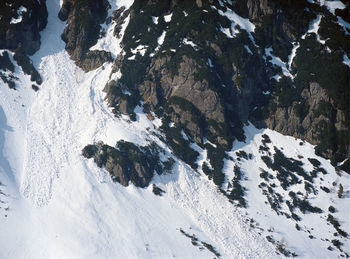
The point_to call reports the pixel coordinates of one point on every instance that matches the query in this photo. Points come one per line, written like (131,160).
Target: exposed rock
(258,8)
(5,62)
(119,17)
(183,85)
(122,102)
(128,162)
(199,3)
(65,10)
(186,118)
(82,31)
(94,59)
(286,120)
(25,32)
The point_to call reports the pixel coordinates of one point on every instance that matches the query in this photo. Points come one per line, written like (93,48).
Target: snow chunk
(332,5)
(167,18)
(132,57)
(140,49)
(278,62)
(189,42)
(21,10)
(160,41)
(161,38)
(155,19)
(346,60)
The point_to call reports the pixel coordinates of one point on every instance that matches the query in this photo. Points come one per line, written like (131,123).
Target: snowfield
(57,204)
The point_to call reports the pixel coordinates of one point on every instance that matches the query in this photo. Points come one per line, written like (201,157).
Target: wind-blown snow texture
(57,204)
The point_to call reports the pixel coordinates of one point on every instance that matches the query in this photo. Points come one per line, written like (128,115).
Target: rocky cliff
(209,67)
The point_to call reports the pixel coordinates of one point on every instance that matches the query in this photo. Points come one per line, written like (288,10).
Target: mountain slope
(245,193)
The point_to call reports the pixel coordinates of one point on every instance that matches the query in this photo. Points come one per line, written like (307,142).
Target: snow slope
(59,205)
(311,224)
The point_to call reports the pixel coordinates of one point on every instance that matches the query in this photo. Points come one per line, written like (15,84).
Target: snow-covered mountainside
(133,132)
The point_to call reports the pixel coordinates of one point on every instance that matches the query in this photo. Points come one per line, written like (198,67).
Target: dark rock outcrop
(128,162)
(24,31)
(65,10)
(82,31)
(318,124)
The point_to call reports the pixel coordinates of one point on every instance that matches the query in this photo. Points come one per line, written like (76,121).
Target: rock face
(287,121)
(21,22)
(82,31)
(320,113)
(128,162)
(208,75)
(166,87)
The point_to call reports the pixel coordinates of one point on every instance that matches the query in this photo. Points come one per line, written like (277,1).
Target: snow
(227,32)
(62,205)
(332,5)
(313,28)
(21,10)
(189,42)
(161,38)
(160,41)
(210,63)
(278,62)
(167,18)
(248,49)
(345,25)
(141,49)
(110,43)
(243,23)
(346,60)
(263,214)
(293,54)
(132,57)
(155,19)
